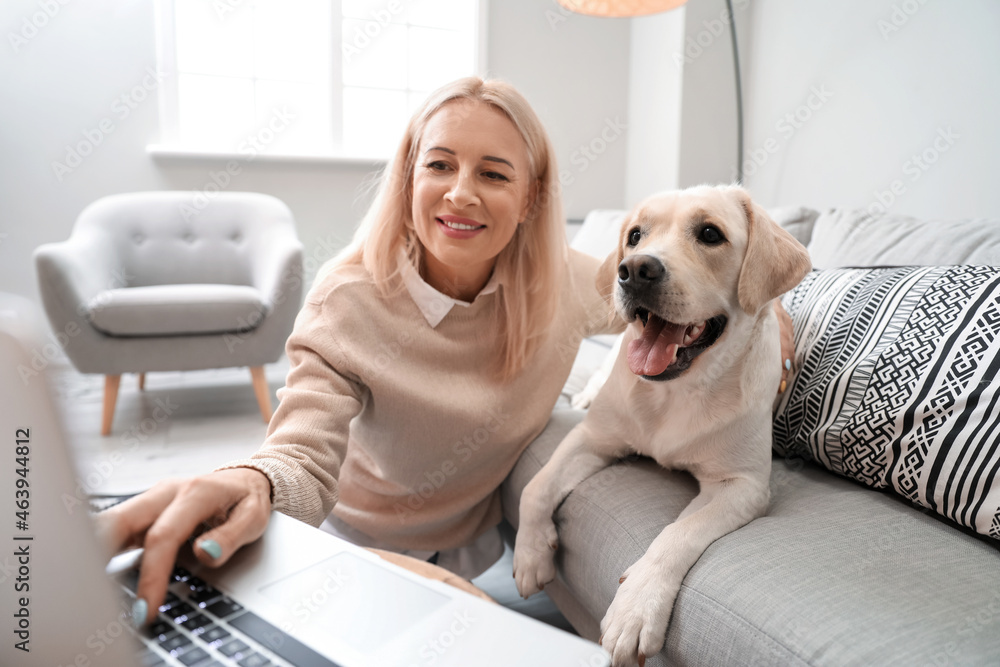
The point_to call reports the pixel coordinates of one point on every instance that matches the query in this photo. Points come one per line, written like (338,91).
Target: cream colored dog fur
(694,275)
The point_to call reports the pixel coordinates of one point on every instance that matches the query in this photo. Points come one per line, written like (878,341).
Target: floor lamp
(628,8)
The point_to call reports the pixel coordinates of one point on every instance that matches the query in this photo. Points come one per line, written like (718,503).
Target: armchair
(163,281)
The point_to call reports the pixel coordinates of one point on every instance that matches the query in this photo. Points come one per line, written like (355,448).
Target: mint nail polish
(211,547)
(139,609)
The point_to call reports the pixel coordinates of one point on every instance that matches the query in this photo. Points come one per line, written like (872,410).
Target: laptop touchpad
(364,604)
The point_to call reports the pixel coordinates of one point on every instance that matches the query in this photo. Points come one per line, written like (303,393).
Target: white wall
(683,98)
(69,75)
(708,140)
(574,71)
(656,81)
(888,80)
(619,108)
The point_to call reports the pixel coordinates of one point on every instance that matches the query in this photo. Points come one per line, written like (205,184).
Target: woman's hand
(235,503)
(787,343)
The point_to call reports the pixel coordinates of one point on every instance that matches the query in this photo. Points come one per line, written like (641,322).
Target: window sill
(166,152)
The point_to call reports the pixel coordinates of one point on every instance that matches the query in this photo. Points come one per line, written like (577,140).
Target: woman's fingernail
(788,364)
(211,547)
(781,389)
(139,609)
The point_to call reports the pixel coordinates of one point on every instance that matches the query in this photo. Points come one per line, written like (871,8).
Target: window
(306,77)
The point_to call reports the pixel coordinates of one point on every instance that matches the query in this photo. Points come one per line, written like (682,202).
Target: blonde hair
(530,268)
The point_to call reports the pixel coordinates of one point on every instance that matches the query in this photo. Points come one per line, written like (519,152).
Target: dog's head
(686,264)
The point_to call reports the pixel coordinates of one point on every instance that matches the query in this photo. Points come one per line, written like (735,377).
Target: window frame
(167,145)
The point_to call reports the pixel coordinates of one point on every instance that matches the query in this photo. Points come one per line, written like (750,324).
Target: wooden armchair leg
(262,392)
(142,381)
(111,383)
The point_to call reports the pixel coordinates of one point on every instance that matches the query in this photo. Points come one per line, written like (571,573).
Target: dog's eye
(634,237)
(710,235)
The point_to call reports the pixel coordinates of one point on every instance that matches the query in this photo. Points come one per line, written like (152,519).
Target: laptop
(297,597)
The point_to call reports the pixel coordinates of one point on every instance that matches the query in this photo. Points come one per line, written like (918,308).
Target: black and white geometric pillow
(896,384)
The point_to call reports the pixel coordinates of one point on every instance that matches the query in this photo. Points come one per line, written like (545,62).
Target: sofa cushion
(833,574)
(847,237)
(796,220)
(895,384)
(599,234)
(168,310)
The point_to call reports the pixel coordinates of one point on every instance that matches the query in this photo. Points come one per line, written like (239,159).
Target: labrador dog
(694,276)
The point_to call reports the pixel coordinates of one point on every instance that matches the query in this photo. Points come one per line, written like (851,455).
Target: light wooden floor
(189,423)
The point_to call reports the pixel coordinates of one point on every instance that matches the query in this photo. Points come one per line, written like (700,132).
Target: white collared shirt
(433,304)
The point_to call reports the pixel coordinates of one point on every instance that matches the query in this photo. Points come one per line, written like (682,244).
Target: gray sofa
(836,573)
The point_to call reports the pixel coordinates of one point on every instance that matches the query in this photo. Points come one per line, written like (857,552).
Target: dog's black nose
(638,271)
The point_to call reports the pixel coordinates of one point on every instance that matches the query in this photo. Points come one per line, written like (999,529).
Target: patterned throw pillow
(896,384)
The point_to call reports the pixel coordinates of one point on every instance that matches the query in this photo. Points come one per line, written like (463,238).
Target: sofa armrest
(835,573)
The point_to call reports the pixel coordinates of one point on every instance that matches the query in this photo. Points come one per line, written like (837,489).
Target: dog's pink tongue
(656,348)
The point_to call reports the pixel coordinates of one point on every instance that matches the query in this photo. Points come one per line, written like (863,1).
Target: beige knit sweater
(402,429)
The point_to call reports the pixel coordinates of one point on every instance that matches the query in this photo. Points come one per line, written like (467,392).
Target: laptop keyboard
(198,626)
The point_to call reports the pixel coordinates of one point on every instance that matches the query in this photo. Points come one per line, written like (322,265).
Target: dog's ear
(607,273)
(774,262)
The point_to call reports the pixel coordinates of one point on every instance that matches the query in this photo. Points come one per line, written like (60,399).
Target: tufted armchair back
(161,238)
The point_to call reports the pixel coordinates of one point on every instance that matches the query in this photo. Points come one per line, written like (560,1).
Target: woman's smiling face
(471,189)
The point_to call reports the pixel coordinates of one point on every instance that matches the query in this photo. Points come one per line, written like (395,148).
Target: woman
(445,332)
(426,357)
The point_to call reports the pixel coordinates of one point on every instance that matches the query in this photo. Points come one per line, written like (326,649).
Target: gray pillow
(844,237)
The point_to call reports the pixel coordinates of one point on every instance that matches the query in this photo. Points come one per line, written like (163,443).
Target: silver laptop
(297,597)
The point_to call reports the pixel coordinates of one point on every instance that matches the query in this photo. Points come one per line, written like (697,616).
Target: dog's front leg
(635,624)
(574,460)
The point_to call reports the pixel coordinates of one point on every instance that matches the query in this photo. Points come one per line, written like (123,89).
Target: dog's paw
(534,558)
(583,399)
(635,624)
